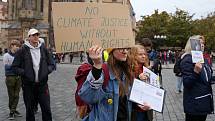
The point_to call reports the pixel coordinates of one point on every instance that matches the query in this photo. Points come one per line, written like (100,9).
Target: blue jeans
(179,83)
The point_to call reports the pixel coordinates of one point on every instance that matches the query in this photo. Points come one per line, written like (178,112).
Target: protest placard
(79,25)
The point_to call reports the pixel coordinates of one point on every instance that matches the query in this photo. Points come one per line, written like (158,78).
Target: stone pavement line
(62,89)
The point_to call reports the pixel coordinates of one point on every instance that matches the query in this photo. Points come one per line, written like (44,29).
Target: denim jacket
(101,110)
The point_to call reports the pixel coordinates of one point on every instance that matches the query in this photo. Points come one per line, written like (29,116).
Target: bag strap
(106,75)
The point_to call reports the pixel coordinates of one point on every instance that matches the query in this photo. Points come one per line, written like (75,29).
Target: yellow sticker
(110,101)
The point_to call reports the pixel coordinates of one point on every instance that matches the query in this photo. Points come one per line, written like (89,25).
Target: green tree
(153,25)
(206,27)
(179,28)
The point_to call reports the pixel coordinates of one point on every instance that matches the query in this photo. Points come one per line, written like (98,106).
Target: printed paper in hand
(197,56)
(142,92)
(153,78)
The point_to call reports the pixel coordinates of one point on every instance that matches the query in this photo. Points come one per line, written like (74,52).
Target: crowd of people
(105,80)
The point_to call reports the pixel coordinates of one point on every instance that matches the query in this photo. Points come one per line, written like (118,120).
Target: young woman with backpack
(83,108)
(108,103)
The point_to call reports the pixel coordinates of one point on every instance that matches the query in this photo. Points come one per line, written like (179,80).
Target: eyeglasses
(123,49)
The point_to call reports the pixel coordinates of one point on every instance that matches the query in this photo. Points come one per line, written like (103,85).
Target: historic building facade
(26,14)
(3,24)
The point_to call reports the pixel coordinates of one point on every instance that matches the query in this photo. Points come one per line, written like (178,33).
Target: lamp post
(158,39)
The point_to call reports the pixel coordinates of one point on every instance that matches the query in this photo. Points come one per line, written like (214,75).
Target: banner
(79,25)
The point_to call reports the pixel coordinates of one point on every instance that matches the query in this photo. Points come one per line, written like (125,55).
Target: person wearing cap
(13,81)
(33,62)
(109,103)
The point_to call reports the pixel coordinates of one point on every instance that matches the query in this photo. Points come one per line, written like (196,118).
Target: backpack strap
(106,74)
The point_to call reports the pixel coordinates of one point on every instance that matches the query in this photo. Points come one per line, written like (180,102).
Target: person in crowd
(165,56)
(1,51)
(109,103)
(70,57)
(197,77)
(147,43)
(138,58)
(208,57)
(36,98)
(81,57)
(13,81)
(34,63)
(178,74)
(157,67)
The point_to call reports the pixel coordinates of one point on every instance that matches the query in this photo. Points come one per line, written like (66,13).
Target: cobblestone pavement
(62,87)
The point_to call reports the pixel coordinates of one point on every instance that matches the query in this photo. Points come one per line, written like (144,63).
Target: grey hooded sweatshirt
(35,54)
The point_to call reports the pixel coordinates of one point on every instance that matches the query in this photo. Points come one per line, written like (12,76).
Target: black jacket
(198,96)
(23,65)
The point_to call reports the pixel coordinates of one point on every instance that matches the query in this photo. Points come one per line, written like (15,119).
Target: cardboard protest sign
(79,25)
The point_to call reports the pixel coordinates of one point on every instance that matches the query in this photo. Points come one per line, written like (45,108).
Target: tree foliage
(178,27)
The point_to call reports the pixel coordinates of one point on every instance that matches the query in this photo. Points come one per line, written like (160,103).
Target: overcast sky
(199,7)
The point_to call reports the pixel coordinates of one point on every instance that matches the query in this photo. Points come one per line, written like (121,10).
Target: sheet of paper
(153,78)
(197,56)
(142,92)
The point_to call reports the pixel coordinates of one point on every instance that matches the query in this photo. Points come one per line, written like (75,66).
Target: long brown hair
(118,68)
(133,61)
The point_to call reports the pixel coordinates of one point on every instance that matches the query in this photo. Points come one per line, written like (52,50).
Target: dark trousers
(13,84)
(190,117)
(36,103)
(29,94)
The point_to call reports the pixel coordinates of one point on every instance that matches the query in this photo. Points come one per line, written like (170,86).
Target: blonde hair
(188,47)
(133,56)
(133,60)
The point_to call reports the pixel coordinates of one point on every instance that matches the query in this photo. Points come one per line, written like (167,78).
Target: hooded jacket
(33,63)
(8,60)
(198,96)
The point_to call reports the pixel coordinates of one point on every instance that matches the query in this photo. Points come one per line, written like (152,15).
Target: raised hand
(95,53)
